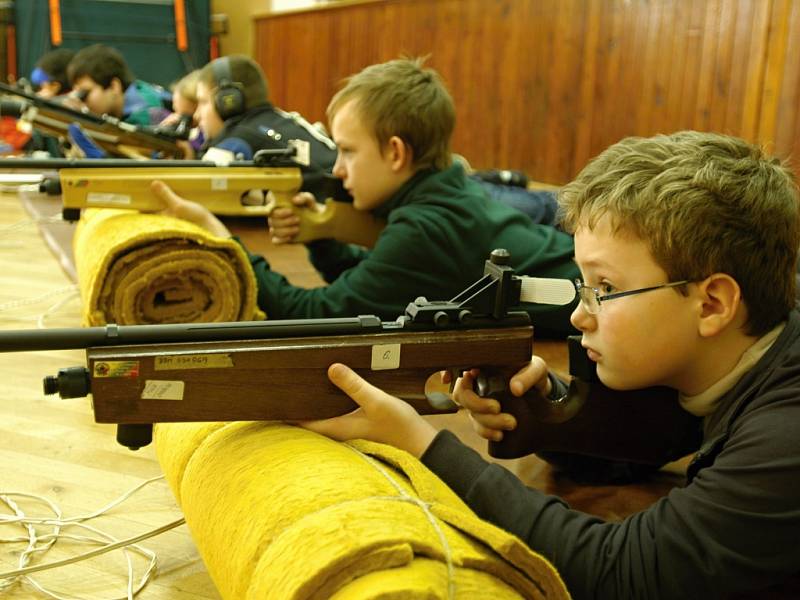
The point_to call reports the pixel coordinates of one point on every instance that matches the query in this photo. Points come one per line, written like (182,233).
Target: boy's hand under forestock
(380,417)
(181,208)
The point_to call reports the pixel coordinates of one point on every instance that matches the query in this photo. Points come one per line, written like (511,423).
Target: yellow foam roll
(280,512)
(136,268)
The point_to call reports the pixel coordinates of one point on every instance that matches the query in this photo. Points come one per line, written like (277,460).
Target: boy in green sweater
(392,123)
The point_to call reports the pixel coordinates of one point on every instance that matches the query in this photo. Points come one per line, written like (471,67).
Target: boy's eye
(606,288)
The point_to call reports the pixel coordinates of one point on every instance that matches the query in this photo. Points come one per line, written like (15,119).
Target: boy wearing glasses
(687,245)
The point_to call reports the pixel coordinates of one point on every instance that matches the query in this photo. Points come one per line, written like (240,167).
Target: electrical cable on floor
(70,293)
(41,543)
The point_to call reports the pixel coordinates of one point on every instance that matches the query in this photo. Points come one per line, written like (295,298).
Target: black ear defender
(229,98)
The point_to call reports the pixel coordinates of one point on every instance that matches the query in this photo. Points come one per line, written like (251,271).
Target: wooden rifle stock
(112,135)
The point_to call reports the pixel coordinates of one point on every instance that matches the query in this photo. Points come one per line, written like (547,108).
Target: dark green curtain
(143,30)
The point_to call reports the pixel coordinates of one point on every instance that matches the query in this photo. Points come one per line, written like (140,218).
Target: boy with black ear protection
(235,114)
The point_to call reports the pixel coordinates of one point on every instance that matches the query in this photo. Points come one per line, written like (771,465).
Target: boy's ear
(721,299)
(400,153)
(116,84)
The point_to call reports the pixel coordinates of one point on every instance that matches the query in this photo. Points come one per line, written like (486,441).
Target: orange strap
(180,26)
(55,23)
(11,52)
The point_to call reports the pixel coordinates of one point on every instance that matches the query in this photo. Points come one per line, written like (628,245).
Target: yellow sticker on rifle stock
(116,368)
(192,361)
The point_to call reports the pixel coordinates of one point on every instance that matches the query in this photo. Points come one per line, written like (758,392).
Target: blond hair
(703,203)
(186,86)
(401,98)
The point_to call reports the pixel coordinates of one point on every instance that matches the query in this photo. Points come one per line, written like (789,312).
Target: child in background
(50,73)
(105,82)
(184,106)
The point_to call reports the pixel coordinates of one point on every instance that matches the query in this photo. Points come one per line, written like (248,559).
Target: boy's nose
(338,170)
(581,319)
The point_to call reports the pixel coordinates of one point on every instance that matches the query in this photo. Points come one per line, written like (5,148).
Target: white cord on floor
(39,544)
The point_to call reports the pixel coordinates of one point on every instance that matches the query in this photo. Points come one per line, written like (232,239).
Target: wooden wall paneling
(525,125)
(482,96)
(617,84)
(719,73)
(646,61)
(544,85)
(564,51)
(695,44)
(677,59)
(787,118)
(590,62)
(540,103)
(493,109)
(779,29)
(635,82)
(741,33)
(756,67)
(708,57)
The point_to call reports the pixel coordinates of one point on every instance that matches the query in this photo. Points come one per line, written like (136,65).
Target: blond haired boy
(687,245)
(392,123)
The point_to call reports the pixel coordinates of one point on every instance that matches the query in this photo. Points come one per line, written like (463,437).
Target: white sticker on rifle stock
(219,184)
(104,198)
(162,390)
(180,362)
(385,356)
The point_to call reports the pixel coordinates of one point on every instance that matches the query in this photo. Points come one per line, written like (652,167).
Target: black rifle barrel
(71,338)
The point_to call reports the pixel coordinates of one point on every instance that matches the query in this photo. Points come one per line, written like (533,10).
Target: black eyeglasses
(591,298)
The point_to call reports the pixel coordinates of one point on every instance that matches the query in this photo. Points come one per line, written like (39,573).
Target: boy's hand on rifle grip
(178,207)
(284,221)
(380,417)
(487,419)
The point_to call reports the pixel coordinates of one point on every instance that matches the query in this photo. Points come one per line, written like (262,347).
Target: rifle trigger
(490,385)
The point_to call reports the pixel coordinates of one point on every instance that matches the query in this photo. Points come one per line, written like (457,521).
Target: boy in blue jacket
(687,246)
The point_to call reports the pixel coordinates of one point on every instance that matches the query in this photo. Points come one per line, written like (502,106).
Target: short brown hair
(101,64)
(243,71)
(402,98)
(704,203)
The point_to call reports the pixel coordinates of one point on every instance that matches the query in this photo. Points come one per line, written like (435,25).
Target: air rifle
(224,190)
(277,370)
(114,136)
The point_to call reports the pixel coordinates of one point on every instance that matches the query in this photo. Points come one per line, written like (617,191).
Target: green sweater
(440,230)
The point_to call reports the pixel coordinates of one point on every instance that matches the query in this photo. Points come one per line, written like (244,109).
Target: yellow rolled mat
(136,268)
(278,512)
